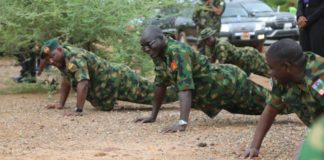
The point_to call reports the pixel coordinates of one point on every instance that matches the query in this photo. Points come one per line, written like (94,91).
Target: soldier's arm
(264,124)
(159,94)
(82,91)
(219,9)
(185,98)
(65,90)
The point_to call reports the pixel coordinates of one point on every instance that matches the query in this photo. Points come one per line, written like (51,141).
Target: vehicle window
(256,7)
(234,11)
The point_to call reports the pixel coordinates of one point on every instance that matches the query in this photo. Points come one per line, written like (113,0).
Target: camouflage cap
(205,33)
(49,46)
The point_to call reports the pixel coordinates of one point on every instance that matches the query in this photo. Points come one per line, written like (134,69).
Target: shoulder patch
(318,86)
(173,65)
(71,67)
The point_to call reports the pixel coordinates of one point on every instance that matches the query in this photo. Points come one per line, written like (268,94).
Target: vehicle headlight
(225,28)
(261,36)
(259,26)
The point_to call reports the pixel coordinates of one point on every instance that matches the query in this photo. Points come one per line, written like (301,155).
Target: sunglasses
(149,45)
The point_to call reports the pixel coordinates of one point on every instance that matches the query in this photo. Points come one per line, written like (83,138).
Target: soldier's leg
(253,62)
(249,98)
(137,89)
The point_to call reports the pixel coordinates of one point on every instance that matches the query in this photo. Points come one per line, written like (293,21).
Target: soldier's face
(278,70)
(153,47)
(209,41)
(56,58)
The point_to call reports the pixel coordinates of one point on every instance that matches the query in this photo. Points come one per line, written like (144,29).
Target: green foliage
(78,22)
(284,4)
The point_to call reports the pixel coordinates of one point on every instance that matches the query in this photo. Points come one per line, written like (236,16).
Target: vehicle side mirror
(252,14)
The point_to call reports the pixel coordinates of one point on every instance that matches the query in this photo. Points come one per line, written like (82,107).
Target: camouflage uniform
(313,147)
(107,82)
(247,58)
(305,99)
(214,86)
(204,17)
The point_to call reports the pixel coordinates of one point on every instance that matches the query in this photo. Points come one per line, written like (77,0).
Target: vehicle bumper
(281,33)
(235,38)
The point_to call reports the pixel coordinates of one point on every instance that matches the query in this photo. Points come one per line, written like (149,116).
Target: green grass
(20,88)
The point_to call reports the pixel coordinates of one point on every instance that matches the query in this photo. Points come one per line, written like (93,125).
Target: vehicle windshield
(256,7)
(234,11)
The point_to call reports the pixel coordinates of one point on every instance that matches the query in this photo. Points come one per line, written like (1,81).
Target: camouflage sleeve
(79,68)
(183,65)
(274,100)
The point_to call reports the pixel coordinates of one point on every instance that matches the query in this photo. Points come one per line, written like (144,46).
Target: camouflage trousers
(136,89)
(249,98)
(252,62)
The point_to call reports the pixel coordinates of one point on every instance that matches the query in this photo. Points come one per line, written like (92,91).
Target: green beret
(206,33)
(49,46)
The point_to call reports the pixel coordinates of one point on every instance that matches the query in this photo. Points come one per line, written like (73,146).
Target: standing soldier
(208,14)
(247,58)
(95,79)
(201,85)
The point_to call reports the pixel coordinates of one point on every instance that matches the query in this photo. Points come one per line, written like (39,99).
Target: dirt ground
(28,131)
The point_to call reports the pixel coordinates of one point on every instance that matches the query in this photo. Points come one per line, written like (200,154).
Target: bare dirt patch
(28,131)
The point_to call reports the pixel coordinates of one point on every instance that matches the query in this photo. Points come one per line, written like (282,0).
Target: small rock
(100,154)
(202,144)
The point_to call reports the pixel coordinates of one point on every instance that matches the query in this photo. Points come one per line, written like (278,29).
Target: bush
(78,22)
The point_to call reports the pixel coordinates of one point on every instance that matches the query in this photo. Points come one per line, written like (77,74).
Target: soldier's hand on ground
(251,152)
(174,128)
(54,106)
(145,120)
(73,114)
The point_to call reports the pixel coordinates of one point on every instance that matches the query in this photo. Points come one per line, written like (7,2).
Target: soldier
(247,58)
(298,86)
(95,79)
(201,85)
(208,14)
(27,61)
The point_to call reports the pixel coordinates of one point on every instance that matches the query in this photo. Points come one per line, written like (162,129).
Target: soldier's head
(286,61)
(153,41)
(207,36)
(53,53)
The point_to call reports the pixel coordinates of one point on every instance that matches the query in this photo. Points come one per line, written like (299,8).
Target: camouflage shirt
(204,16)
(107,82)
(247,58)
(305,99)
(213,85)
